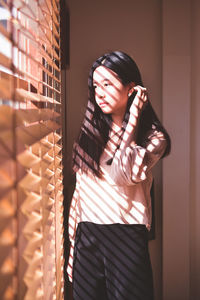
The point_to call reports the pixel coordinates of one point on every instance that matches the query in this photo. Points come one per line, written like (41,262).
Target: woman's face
(110,94)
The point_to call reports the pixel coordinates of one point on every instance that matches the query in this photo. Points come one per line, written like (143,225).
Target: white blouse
(122,194)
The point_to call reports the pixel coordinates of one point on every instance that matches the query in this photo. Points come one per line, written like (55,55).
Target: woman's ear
(131,88)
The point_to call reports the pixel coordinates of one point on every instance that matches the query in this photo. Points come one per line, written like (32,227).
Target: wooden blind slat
(4,32)
(31,183)
(55,7)
(33,115)
(41,38)
(55,164)
(8,83)
(40,167)
(7,238)
(6,118)
(10,117)
(31,203)
(55,19)
(44,7)
(6,208)
(7,268)
(28,159)
(48,5)
(55,30)
(5,181)
(54,151)
(5,61)
(4,4)
(49,59)
(7,144)
(34,38)
(22,94)
(54,138)
(14,81)
(31,151)
(31,134)
(40,148)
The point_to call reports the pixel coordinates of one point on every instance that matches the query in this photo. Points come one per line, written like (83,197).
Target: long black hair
(95,128)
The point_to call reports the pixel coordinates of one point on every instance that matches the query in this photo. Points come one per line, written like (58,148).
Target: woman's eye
(107,84)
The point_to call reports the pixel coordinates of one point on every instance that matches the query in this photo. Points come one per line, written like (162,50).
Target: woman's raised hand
(139,100)
(135,109)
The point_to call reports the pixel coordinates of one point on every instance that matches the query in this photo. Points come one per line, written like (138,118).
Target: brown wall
(163,37)
(134,27)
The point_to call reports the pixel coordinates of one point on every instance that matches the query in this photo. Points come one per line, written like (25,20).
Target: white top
(122,194)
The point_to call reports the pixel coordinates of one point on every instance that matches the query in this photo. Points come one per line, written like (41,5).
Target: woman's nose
(100,92)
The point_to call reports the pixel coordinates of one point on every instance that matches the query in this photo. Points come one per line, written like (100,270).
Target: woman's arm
(132,162)
(72,224)
(72,220)
(135,111)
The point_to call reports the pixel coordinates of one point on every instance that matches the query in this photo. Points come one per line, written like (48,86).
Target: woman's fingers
(138,102)
(140,98)
(140,89)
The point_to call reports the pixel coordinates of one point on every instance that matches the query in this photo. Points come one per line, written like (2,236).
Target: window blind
(31,211)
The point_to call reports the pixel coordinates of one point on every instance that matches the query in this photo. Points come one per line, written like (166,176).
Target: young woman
(120,141)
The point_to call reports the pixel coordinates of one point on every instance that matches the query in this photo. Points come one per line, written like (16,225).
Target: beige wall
(181,108)
(176,114)
(162,36)
(195,154)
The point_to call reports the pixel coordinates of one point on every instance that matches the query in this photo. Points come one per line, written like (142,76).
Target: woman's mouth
(102,104)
